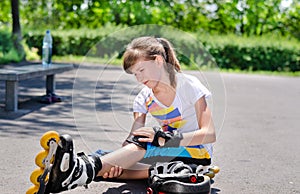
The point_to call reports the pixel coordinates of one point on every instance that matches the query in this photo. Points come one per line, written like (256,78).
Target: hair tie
(159,40)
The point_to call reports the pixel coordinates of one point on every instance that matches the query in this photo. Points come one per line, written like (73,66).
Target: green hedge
(257,58)
(8,53)
(229,52)
(256,53)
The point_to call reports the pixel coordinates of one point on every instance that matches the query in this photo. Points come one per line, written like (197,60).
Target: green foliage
(249,17)
(31,53)
(225,51)
(7,52)
(5,12)
(5,41)
(98,19)
(270,53)
(292,20)
(10,56)
(257,58)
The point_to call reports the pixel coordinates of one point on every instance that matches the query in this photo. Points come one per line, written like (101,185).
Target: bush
(10,56)
(225,51)
(7,52)
(256,53)
(5,41)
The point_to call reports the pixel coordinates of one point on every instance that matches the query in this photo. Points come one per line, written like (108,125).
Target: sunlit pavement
(257,120)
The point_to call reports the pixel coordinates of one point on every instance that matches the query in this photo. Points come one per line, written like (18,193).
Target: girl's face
(147,72)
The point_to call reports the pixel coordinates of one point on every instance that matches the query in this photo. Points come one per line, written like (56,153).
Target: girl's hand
(114,172)
(124,143)
(147,134)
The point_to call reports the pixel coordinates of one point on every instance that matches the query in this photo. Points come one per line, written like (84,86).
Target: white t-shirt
(181,115)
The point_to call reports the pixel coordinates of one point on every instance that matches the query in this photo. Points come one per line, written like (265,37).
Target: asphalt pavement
(257,119)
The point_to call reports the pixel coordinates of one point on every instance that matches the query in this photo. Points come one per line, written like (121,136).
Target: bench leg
(50,83)
(11,98)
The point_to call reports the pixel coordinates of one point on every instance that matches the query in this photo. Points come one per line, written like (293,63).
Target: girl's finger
(120,171)
(141,139)
(111,172)
(105,175)
(145,129)
(141,134)
(116,172)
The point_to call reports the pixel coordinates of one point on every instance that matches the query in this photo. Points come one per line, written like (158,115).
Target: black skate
(60,169)
(179,178)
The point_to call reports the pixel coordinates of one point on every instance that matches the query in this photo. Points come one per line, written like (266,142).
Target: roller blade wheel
(44,160)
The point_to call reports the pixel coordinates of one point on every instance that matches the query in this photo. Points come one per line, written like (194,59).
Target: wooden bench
(12,76)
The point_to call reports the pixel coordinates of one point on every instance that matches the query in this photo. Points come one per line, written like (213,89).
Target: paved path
(257,118)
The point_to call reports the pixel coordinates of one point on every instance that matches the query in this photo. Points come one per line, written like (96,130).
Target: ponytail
(172,62)
(170,56)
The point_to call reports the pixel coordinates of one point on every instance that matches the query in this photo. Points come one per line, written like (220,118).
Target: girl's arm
(206,133)
(139,121)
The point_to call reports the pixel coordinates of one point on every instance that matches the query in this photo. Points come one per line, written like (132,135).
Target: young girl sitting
(176,100)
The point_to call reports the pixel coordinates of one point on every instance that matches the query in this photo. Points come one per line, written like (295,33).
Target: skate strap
(89,167)
(172,139)
(135,140)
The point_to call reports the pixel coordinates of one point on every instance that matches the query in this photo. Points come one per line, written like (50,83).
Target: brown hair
(148,48)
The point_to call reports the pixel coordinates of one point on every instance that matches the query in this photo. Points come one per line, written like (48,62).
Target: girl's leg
(134,174)
(137,171)
(126,157)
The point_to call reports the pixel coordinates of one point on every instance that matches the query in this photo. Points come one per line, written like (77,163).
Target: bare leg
(134,174)
(137,171)
(126,157)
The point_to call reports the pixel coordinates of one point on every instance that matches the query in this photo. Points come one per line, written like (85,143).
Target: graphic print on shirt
(169,118)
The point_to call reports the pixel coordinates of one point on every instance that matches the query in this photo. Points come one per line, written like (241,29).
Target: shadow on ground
(138,187)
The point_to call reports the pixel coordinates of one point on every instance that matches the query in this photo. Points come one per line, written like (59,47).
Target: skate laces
(73,174)
(176,167)
(180,168)
(82,172)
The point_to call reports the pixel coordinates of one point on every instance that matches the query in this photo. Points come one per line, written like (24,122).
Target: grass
(273,73)
(118,62)
(84,59)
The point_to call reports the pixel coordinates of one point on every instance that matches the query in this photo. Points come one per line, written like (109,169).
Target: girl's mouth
(145,82)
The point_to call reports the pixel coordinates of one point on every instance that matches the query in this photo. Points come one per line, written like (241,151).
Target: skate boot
(60,169)
(177,177)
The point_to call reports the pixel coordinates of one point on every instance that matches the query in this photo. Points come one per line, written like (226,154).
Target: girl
(176,100)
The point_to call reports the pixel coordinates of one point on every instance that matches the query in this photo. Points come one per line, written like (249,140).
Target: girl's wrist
(168,139)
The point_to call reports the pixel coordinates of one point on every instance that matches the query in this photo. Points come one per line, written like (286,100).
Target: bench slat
(30,71)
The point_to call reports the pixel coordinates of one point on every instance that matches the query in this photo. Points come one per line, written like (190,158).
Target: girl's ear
(160,61)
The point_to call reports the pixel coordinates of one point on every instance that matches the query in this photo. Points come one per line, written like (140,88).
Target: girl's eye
(141,70)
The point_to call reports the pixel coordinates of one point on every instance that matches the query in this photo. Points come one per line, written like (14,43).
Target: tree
(16,29)
(292,20)
(246,17)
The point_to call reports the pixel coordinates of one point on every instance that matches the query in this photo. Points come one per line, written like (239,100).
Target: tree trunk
(16,28)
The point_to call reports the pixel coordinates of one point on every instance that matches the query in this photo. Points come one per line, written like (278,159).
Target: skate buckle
(52,150)
(65,164)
